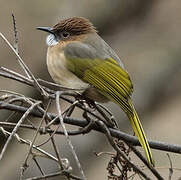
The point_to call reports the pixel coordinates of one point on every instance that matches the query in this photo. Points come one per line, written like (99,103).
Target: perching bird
(78,57)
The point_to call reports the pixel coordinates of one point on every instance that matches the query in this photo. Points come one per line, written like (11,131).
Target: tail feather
(114,83)
(138,129)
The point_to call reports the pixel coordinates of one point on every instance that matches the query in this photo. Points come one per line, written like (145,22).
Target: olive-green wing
(104,73)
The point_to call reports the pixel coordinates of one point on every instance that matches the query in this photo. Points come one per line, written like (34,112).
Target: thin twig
(13,73)
(39,167)
(66,135)
(54,85)
(110,139)
(43,130)
(15,34)
(11,92)
(163,146)
(51,93)
(33,141)
(151,168)
(17,126)
(61,173)
(21,140)
(52,137)
(25,67)
(108,120)
(106,109)
(171,167)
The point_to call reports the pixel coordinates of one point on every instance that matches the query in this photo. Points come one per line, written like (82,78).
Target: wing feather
(109,85)
(108,75)
(105,74)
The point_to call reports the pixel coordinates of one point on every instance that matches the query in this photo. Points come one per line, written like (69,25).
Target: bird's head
(70,29)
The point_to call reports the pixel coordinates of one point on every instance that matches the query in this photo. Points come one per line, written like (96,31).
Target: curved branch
(82,123)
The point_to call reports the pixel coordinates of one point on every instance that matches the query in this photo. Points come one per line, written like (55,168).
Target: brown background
(144,33)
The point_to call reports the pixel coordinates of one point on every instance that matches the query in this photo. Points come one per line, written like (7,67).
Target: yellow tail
(138,129)
(114,83)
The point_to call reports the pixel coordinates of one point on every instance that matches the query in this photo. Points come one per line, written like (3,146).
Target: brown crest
(75,25)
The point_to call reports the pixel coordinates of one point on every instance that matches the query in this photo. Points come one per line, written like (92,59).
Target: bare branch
(16,127)
(171,168)
(21,140)
(32,143)
(51,93)
(66,134)
(152,169)
(39,167)
(25,67)
(15,34)
(110,139)
(163,146)
(95,117)
(55,175)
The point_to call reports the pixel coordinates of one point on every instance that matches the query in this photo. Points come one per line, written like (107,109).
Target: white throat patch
(51,40)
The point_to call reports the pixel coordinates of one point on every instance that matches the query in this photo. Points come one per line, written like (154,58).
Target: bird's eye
(65,34)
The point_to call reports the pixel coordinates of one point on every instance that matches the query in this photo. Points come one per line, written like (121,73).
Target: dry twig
(17,126)
(66,135)
(99,119)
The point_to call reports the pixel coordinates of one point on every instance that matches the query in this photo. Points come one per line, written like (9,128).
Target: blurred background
(146,36)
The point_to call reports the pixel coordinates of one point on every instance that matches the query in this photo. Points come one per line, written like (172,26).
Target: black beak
(46,29)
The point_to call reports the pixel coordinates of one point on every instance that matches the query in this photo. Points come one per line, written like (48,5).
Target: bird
(77,57)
